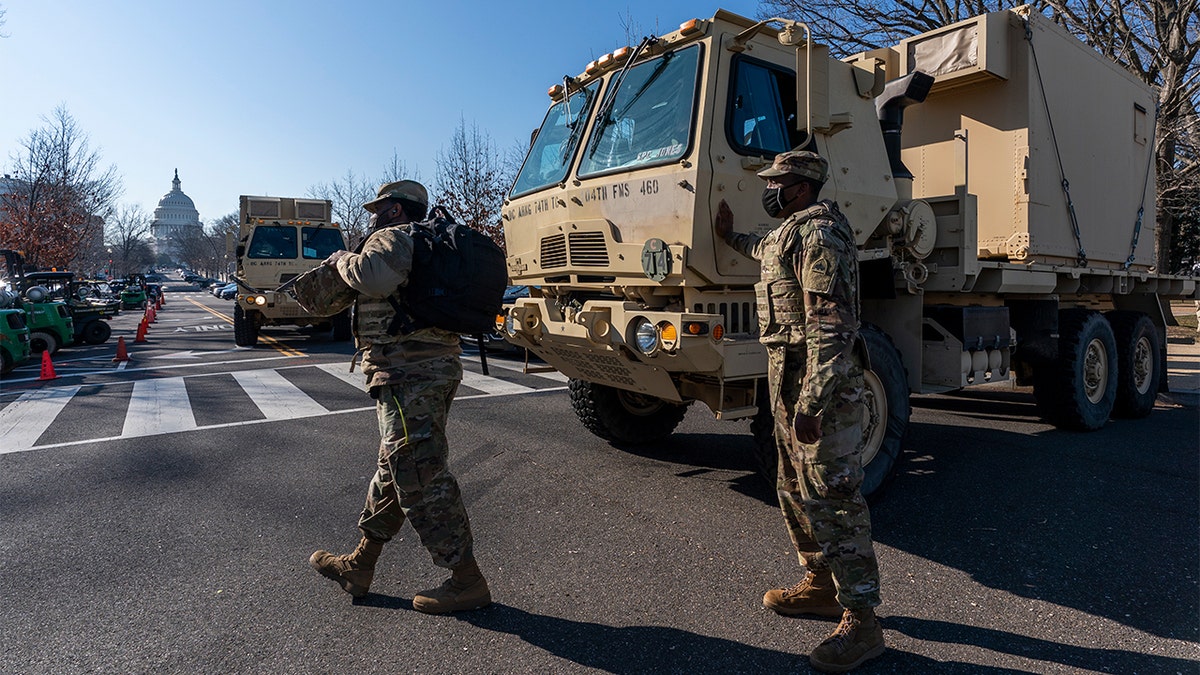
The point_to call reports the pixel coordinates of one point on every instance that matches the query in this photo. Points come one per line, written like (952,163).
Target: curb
(1183,399)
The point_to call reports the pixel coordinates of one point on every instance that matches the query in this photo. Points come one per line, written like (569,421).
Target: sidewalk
(1183,374)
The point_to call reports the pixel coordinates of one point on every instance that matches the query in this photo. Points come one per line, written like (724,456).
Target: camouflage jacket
(808,296)
(376,273)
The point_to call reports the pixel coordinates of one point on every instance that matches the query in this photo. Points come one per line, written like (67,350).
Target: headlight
(260,300)
(646,337)
(510,324)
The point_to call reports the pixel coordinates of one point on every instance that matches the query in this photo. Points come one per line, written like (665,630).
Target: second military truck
(278,239)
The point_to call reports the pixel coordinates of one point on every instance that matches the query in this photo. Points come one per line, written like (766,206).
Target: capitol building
(175,220)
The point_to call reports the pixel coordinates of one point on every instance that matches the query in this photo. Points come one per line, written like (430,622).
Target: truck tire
(886,414)
(622,417)
(7,362)
(1078,390)
(1139,367)
(40,341)
(96,332)
(245,329)
(887,409)
(341,326)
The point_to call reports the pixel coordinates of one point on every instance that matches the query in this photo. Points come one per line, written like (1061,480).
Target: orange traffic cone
(153,315)
(162,299)
(122,355)
(158,303)
(47,367)
(141,332)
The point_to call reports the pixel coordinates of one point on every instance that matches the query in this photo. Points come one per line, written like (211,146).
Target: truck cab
(280,238)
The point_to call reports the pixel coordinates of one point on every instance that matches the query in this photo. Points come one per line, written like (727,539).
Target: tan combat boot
(352,571)
(815,594)
(466,589)
(858,638)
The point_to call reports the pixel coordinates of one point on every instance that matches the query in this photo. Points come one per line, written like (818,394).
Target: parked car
(226,292)
(493,340)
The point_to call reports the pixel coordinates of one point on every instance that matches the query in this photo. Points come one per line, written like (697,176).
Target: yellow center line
(276,344)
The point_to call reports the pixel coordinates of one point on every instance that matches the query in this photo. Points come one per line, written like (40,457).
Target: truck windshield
(273,241)
(319,242)
(650,119)
(554,146)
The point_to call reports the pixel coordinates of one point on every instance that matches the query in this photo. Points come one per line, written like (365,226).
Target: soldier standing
(412,377)
(807,302)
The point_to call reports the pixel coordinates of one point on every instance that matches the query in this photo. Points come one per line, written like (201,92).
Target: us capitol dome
(175,219)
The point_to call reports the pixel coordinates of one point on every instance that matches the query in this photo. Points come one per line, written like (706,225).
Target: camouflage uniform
(413,378)
(807,303)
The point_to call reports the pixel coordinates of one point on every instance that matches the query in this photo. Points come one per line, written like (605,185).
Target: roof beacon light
(689,27)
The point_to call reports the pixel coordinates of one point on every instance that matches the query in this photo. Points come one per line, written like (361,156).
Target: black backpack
(457,280)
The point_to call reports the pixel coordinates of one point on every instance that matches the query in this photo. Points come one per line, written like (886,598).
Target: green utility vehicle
(90,318)
(14,339)
(49,321)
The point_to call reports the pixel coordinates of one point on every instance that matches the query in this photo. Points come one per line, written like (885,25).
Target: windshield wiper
(662,64)
(575,126)
(604,116)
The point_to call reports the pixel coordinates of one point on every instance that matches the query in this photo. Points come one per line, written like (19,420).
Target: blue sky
(273,97)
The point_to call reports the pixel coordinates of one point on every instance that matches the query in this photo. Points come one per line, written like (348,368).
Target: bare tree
(1156,40)
(127,240)
(397,169)
(61,195)
(347,195)
(472,180)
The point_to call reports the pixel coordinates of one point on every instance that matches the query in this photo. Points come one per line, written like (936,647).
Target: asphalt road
(1006,546)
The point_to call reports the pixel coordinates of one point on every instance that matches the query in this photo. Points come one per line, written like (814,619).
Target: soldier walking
(412,377)
(808,319)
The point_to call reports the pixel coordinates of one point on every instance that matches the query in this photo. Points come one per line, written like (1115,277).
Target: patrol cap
(799,162)
(408,190)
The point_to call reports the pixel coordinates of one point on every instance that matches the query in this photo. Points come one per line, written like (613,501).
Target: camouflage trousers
(413,480)
(818,483)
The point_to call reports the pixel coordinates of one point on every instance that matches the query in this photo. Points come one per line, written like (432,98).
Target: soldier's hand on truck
(723,223)
(808,429)
(331,261)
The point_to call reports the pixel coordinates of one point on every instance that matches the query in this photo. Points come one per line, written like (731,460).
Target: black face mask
(772,201)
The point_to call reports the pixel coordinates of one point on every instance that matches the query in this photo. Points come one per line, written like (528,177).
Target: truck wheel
(43,342)
(245,330)
(1078,390)
(623,417)
(886,411)
(341,326)
(97,332)
(1139,368)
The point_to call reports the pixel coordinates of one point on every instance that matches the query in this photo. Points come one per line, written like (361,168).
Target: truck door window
(319,242)
(273,241)
(761,119)
(650,120)
(553,148)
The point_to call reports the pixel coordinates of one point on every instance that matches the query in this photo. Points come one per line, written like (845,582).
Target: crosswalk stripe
(276,396)
(23,421)
(342,372)
(158,406)
(519,368)
(491,385)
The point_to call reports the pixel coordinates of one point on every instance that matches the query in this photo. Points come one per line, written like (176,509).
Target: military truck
(278,239)
(49,320)
(998,201)
(14,337)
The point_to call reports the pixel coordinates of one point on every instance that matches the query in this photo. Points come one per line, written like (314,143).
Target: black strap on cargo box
(1137,225)
(1081,257)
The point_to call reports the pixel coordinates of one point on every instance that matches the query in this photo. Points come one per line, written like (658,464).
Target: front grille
(588,249)
(738,317)
(554,251)
(597,367)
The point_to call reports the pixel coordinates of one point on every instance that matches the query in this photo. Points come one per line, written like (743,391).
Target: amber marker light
(592,67)
(555,91)
(695,328)
(689,27)
(605,61)
(668,335)
(622,53)
(718,332)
